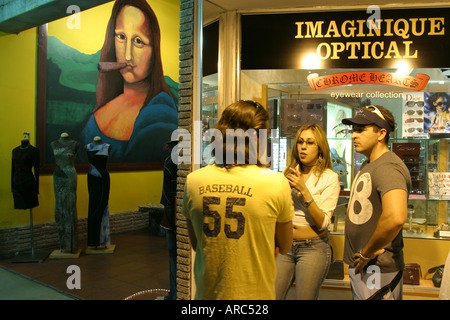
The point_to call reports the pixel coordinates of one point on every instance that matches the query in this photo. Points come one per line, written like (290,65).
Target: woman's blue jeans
(307,264)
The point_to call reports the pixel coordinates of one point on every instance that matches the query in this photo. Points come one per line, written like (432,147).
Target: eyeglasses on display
(411,112)
(338,161)
(414,119)
(410,160)
(411,130)
(342,172)
(344,132)
(415,103)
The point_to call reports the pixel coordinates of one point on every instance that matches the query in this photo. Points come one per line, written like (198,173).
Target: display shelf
(418,232)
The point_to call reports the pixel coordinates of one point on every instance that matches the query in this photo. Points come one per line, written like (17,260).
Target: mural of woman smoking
(135,112)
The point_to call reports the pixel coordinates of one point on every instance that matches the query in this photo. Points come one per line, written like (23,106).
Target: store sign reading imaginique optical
(351,39)
(352,31)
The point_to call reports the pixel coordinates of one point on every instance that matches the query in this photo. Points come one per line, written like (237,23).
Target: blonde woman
(315,191)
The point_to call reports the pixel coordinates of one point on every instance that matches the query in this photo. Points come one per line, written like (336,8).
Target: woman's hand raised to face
(295,179)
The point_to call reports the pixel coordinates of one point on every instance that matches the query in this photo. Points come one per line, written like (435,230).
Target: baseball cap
(369,115)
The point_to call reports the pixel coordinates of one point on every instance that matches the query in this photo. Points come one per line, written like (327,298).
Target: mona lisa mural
(122,91)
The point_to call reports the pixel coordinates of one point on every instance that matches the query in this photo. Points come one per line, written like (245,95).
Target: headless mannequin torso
(65,185)
(98,188)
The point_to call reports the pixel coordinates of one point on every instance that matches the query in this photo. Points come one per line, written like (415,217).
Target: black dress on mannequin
(65,185)
(98,188)
(25,184)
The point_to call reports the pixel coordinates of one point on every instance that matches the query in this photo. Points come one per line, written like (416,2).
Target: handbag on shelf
(437,276)
(412,274)
(336,270)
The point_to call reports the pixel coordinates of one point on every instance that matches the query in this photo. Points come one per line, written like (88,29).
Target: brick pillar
(185,121)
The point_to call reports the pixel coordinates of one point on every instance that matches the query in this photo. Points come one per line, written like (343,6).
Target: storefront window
(418,139)
(210,81)
(209,109)
(354,65)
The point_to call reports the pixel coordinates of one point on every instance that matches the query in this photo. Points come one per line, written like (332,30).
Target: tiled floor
(139,262)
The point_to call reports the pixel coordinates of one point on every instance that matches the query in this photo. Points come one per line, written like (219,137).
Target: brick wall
(45,235)
(185,114)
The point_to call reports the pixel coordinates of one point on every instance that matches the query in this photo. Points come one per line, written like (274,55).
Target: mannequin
(98,188)
(25,184)
(65,186)
(25,189)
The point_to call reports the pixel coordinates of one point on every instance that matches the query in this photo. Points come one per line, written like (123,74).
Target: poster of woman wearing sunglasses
(437,115)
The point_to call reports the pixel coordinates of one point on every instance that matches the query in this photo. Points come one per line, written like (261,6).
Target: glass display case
(428,163)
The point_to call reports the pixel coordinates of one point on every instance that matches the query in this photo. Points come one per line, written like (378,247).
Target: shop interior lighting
(403,68)
(311,61)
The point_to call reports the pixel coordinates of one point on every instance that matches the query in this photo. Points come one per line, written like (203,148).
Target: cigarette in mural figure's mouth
(110,66)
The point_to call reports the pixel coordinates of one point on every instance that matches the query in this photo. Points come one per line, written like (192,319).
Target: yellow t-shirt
(234,214)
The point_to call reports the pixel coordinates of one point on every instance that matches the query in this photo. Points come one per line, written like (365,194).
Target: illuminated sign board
(350,39)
